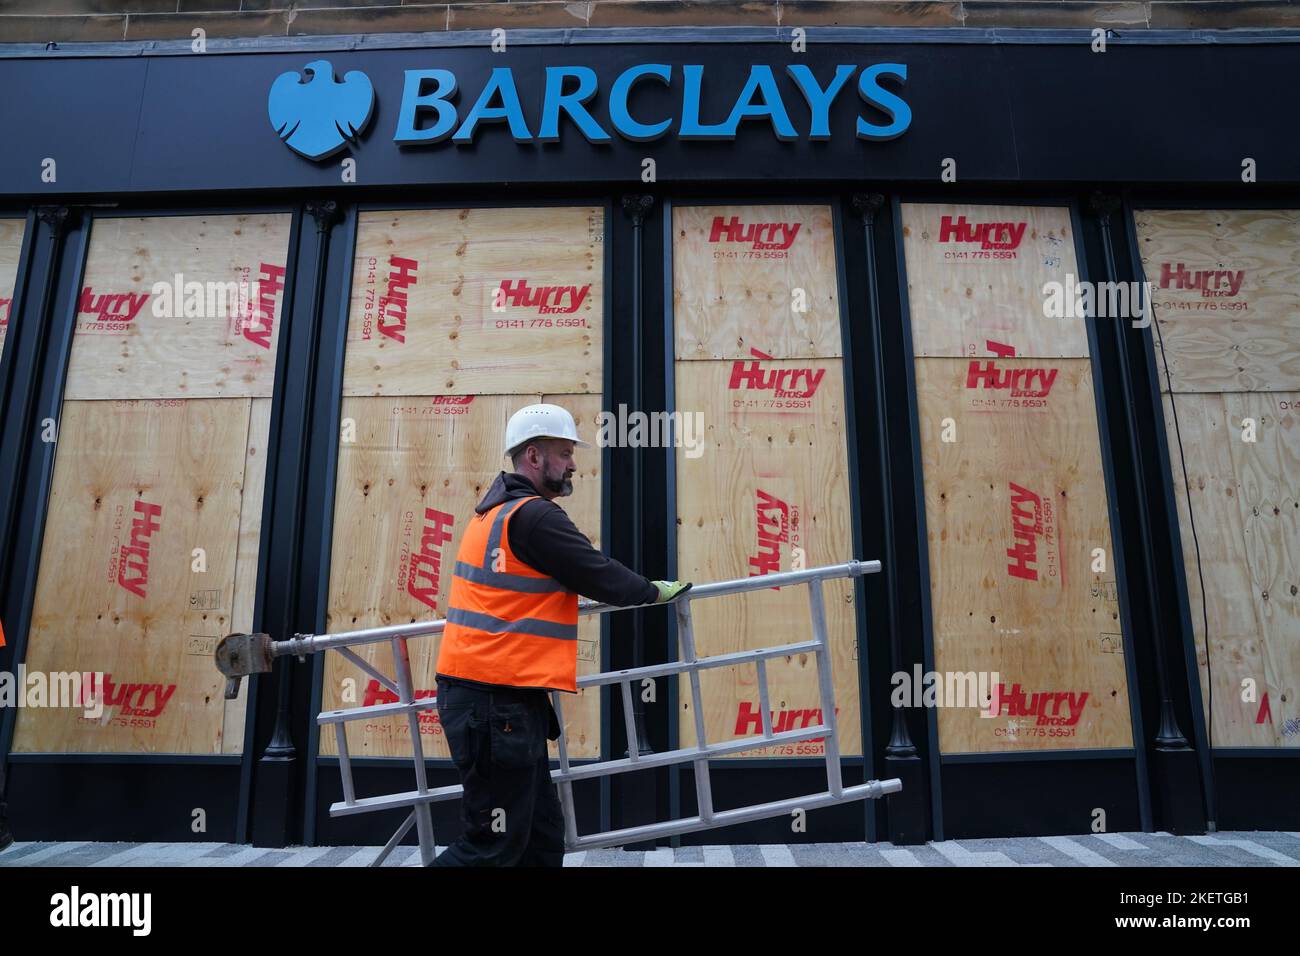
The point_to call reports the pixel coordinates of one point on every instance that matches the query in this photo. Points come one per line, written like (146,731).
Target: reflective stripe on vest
(513,582)
(526,625)
(484,574)
(515,626)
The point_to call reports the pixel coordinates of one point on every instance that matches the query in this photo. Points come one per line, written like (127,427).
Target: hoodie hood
(505,488)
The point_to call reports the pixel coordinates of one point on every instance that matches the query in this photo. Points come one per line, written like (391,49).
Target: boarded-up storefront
(1022,580)
(756,316)
(265,314)
(1226,294)
(150,547)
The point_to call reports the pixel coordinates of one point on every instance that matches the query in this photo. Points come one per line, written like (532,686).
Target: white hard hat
(541,421)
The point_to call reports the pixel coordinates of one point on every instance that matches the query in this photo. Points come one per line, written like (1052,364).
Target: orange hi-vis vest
(507,623)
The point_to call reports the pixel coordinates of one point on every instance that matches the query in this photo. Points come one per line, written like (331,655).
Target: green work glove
(669,590)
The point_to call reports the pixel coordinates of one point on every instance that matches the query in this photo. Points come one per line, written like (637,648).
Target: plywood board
(11,250)
(138,485)
(755,277)
(1245,498)
(1226,290)
(477,301)
(425,462)
(180,307)
(1016,505)
(766,491)
(976,273)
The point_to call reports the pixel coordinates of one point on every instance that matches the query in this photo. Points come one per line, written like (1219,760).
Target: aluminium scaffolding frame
(239,655)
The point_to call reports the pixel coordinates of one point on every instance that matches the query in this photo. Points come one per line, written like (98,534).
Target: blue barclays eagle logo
(316,115)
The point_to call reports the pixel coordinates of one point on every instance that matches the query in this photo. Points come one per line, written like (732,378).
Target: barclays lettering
(427,96)
(318,116)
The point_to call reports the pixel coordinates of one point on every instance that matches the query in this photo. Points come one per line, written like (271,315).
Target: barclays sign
(447,113)
(316,115)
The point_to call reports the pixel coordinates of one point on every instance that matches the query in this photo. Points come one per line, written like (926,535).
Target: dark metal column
(906,811)
(636,792)
(1173,768)
(20,365)
(637,208)
(36,344)
(279,776)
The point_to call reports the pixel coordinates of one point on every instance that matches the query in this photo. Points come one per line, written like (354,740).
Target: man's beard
(563,487)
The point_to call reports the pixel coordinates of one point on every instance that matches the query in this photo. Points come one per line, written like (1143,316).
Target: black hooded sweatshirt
(544,538)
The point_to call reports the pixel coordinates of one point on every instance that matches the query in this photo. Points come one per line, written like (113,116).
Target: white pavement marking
(174,854)
(774,854)
(414,858)
(1250,846)
(243,857)
(575,859)
(958,855)
(57,850)
(363,856)
(1077,852)
(305,855)
(202,861)
(719,856)
(900,858)
(660,856)
(129,854)
(1119,841)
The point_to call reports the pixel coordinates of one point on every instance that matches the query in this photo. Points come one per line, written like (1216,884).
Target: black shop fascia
(285,114)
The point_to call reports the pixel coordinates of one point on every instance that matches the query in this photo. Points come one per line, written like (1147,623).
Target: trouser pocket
(463,732)
(518,737)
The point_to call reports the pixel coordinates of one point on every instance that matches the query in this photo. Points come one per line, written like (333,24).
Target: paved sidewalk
(1104,849)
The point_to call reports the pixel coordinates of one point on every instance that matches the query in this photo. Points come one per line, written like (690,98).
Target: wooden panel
(137,485)
(204,344)
(1226,302)
(423,320)
(1027,605)
(767,491)
(11,250)
(976,273)
(1245,497)
(755,277)
(412,456)
(1226,289)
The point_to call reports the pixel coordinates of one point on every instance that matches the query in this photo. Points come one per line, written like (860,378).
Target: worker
(511,638)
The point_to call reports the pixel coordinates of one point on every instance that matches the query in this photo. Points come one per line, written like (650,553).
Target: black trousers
(511,812)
